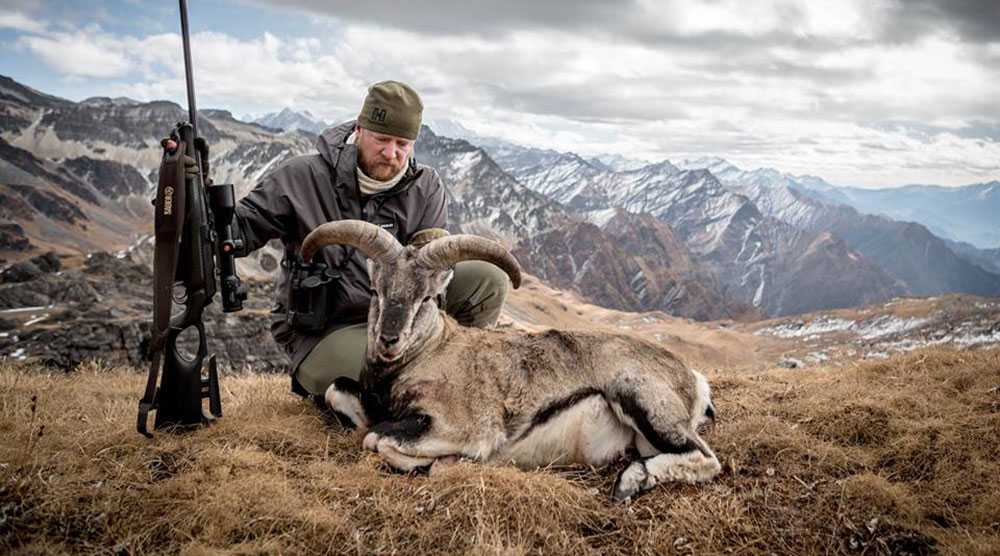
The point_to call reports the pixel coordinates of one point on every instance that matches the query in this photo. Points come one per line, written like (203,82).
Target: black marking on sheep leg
(662,442)
(548,412)
(376,390)
(348,386)
(405,429)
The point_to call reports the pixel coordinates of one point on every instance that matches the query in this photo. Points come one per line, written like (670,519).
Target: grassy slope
(899,455)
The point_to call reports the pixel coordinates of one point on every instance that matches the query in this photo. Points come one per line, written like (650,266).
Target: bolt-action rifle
(194,255)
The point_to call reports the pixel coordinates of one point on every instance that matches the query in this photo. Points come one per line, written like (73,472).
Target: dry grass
(899,456)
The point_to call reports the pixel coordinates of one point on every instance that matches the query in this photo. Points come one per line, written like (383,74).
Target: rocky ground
(101,310)
(877,331)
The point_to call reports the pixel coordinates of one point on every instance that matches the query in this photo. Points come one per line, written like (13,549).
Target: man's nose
(390,151)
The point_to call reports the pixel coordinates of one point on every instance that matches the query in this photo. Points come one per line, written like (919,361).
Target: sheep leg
(343,397)
(405,444)
(389,452)
(672,449)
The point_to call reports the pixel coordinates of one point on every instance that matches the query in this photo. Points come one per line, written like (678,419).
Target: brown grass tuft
(897,456)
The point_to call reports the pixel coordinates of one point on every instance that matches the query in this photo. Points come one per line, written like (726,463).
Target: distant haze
(863,93)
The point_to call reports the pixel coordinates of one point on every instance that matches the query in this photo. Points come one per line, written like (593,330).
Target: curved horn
(368,238)
(446,251)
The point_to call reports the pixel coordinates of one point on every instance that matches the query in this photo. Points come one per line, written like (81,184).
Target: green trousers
(474,297)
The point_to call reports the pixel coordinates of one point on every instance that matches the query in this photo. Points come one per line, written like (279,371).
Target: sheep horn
(374,242)
(444,252)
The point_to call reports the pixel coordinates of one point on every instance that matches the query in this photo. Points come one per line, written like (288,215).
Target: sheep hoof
(631,481)
(370,442)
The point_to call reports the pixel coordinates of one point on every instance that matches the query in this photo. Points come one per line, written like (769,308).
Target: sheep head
(405,280)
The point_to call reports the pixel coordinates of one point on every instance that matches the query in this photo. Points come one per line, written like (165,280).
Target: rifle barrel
(188,69)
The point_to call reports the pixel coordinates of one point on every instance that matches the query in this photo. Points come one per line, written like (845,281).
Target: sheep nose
(388,341)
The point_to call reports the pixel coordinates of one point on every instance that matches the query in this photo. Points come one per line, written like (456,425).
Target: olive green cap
(393,108)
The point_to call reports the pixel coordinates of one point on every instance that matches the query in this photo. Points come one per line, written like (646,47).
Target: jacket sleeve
(435,213)
(264,214)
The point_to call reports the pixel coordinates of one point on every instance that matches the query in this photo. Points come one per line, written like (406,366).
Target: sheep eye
(426,299)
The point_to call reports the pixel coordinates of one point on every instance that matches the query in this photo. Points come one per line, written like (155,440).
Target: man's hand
(168,145)
(190,165)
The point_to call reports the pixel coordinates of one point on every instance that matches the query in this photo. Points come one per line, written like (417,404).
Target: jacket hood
(332,141)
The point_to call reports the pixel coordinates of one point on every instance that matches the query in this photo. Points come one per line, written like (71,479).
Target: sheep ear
(425,236)
(440,281)
(446,281)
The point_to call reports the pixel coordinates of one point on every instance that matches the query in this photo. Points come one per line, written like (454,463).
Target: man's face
(382,156)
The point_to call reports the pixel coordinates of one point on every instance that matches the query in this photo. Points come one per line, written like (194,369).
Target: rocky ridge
(101,311)
(923,263)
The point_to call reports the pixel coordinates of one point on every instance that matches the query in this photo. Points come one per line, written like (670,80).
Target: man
(364,170)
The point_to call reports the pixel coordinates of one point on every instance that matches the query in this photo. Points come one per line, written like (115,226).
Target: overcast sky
(868,92)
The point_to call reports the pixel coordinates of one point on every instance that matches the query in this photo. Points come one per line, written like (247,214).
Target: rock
(48,289)
(111,178)
(791,363)
(32,269)
(48,262)
(13,238)
(20,272)
(50,204)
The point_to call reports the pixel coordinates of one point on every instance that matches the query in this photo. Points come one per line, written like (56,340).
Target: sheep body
(535,399)
(433,391)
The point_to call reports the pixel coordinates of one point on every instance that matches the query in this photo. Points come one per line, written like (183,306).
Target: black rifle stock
(193,233)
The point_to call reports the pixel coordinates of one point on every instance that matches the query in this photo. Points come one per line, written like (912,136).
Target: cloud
(975,21)
(923,132)
(261,71)
(21,22)
(795,85)
(697,23)
(79,54)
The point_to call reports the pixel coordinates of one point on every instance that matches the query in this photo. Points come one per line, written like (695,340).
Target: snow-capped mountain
(447,127)
(922,262)
(483,198)
(617,259)
(764,259)
(629,261)
(757,257)
(290,120)
(618,163)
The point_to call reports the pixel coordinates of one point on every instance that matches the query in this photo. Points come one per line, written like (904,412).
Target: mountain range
(702,239)
(291,120)
(965,214)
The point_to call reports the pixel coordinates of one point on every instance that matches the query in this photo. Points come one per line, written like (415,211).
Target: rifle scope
(223,204)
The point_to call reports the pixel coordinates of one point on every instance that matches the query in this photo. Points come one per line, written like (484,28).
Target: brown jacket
(308,190)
